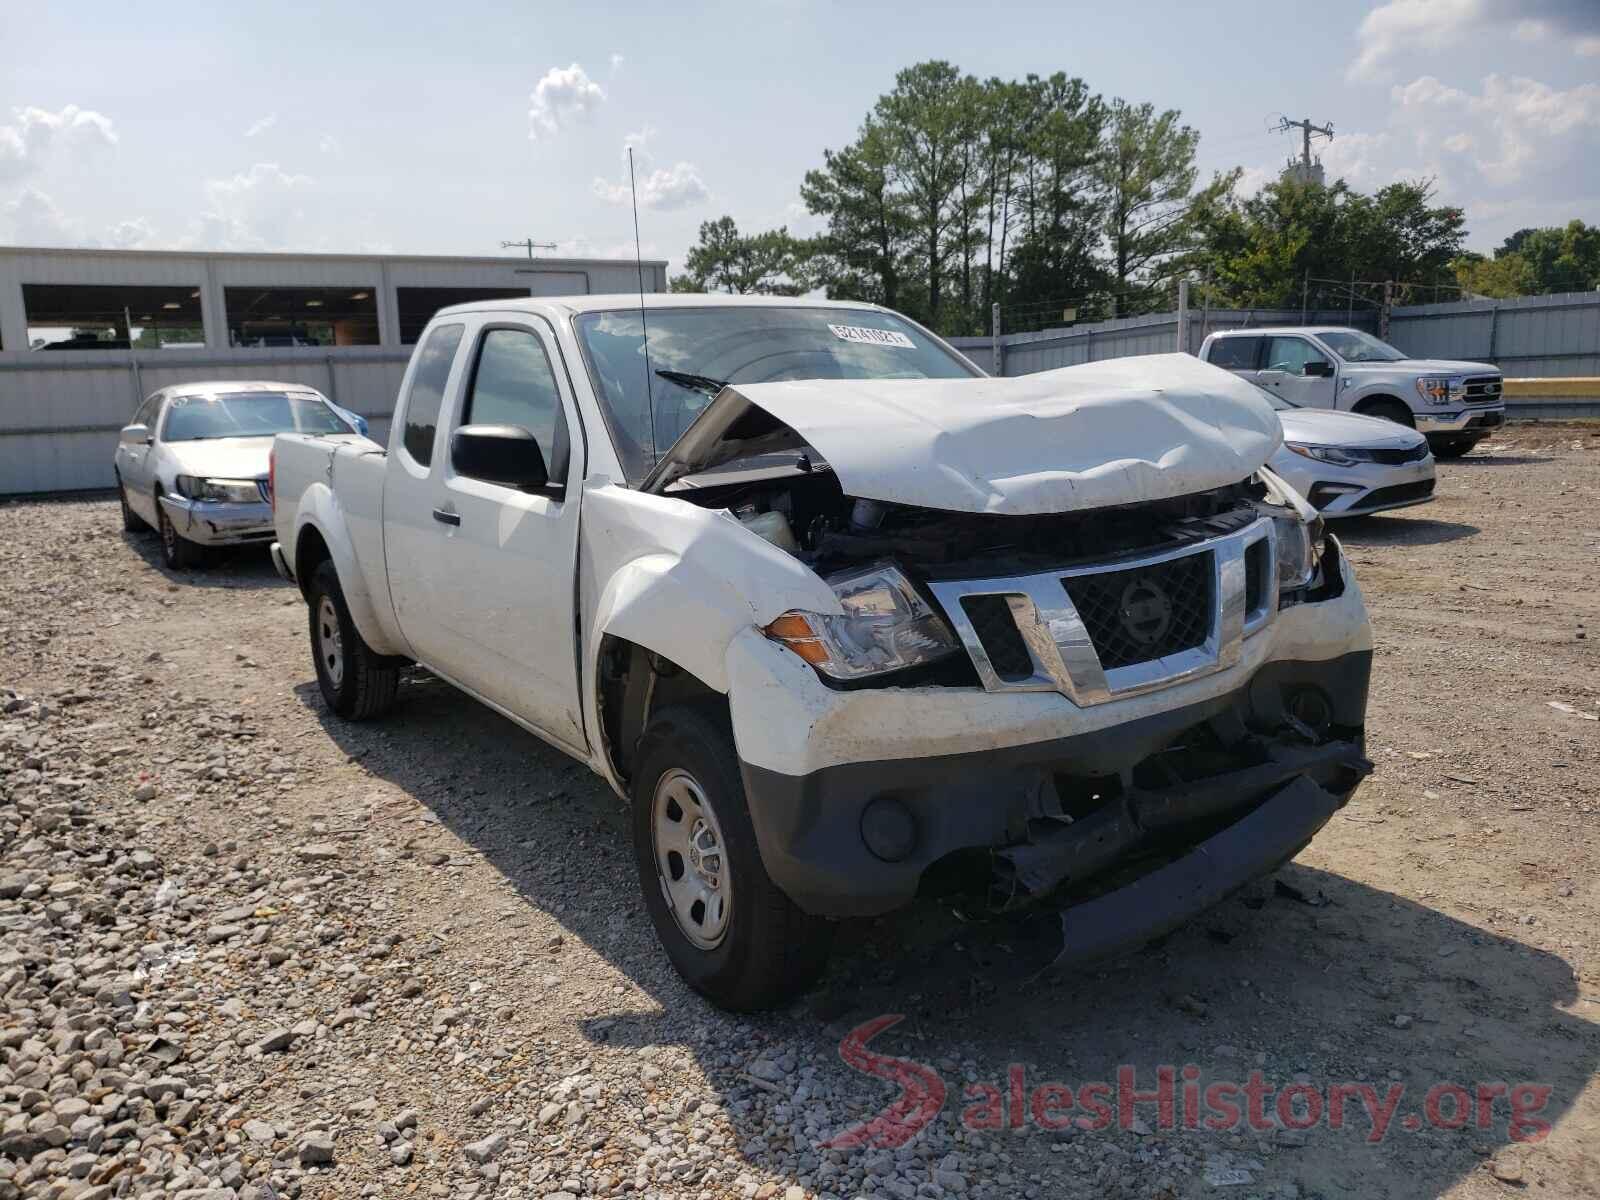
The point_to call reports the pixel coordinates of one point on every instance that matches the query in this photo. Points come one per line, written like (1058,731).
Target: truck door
(507,562)
(1299,371)
(413,529)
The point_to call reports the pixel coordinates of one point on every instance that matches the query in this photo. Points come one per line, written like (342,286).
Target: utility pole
(1183,316)
(528,244)
(1309,172)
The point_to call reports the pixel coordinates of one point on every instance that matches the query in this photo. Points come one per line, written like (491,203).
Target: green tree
(725,260)
(1502,277)
(858,258)
(1146,171)
(1560,258)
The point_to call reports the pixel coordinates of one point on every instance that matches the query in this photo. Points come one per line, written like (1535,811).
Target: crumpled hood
(1122,431)
(1322,427)
(221,458)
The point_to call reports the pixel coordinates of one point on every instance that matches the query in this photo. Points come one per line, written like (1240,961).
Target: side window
(1235,353)
(434,357)
(147,412)
(513,383)
(1291,354)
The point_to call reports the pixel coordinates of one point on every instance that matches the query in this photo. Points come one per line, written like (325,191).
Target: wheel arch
(632,684)
(1381,404)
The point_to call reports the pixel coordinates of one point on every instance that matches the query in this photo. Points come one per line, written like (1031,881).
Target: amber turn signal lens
(794,631)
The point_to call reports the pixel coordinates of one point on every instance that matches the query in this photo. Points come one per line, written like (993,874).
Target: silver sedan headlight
(886,626)
(223,491)
(1338,456)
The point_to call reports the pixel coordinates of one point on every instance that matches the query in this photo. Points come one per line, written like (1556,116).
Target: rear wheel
(729,930)
(356,682)
(178,551)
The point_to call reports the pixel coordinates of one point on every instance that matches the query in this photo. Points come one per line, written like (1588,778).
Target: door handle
(447,518)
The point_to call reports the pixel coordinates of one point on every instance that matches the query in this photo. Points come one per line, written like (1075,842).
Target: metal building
(85,335)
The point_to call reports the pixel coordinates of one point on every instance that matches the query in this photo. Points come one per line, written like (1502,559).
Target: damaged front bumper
(218,523)
(1179,795)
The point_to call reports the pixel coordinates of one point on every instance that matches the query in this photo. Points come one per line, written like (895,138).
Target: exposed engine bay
(802,508)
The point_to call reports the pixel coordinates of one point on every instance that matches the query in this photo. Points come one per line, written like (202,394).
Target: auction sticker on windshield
(872,337)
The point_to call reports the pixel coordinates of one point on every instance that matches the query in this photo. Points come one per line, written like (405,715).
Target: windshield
(248,414)
(692,350)
(1354,346)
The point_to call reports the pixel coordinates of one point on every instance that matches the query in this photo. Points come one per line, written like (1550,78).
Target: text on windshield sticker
(872,337)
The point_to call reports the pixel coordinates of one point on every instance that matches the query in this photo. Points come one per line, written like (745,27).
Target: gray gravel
(249,952)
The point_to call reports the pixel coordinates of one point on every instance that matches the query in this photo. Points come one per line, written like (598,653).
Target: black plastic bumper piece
(812,828)
(1159,902)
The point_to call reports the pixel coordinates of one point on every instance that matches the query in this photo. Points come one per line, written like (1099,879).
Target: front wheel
(177,551)
(357,682)
(729,930)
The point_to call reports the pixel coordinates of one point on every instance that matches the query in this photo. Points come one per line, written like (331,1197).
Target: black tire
(132,522)
(1448,448)
(770,951)
(1389,410)
(362,684)
(177,551)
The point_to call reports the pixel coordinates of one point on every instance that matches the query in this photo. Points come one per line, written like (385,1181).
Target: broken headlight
(225,491)
(1301,535)
(886,626)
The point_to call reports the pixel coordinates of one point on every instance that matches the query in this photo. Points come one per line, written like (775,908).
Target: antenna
(638,262)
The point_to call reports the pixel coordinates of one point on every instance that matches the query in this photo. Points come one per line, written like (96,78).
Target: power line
(529,245)
(1307,129)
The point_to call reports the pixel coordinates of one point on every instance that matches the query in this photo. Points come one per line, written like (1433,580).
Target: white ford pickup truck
(843,619)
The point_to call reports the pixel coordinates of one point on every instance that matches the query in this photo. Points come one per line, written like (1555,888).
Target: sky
(423,128)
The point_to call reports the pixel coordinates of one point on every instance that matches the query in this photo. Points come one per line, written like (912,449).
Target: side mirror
(1318,369)
(505,454)
(136,435)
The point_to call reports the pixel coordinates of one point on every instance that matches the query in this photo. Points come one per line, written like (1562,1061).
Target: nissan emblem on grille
(1146,611)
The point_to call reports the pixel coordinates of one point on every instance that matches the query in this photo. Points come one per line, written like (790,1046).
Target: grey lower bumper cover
(1164,899)
(1078,851)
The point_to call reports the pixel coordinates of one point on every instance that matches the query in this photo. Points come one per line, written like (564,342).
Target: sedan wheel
(178,551)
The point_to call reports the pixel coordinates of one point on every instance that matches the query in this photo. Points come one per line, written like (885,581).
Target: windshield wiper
(698,383)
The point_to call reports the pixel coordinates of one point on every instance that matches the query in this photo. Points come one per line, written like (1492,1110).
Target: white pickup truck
(1455,405)
(841,618)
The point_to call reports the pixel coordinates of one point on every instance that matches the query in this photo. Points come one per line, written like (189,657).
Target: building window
(72,316)
(307,316)
(418,304)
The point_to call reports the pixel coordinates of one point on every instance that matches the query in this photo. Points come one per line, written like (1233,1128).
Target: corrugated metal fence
(82,400)
(1531,337)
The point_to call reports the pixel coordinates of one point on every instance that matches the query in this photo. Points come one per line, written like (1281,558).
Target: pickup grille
(1483,389)
(1145,613)
(1099,634)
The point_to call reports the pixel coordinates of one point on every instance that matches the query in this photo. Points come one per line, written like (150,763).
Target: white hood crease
(1122,431)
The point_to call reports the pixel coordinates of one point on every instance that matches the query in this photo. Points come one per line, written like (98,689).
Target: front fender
(319,510)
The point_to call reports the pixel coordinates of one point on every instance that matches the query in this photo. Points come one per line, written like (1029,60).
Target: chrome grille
(1117,629)
(1143,613)
(1395,457)
(1482,389)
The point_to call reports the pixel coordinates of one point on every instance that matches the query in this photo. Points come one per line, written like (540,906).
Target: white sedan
(193,461)
(1349,465)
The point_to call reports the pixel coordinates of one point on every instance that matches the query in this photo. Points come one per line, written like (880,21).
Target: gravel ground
(248,951)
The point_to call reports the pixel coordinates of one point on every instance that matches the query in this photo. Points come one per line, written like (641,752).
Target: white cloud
(1360,159)
(35,220)
(666,188)
(261,125)
(1587,47)
(328,144)
(616,63)
(258,209)
(1398,27)
(560,98)
(133,234)
(33,134)
(1519,119)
